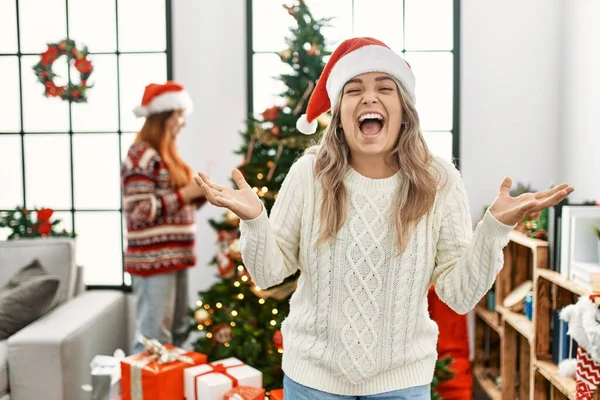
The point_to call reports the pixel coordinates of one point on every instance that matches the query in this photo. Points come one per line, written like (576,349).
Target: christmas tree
(240,319)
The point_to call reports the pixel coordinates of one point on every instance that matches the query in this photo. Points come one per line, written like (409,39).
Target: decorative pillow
(29,271)
(25,303)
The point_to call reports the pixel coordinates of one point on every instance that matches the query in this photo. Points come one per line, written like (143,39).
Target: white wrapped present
(211,381)
(106,376)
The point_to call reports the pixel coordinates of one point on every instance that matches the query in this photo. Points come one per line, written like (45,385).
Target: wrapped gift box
(245,393)
(212,381)
(276,394)
(157,373)
(106,376)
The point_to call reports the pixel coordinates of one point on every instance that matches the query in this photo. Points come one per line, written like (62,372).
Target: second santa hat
(353,57)
(164,97)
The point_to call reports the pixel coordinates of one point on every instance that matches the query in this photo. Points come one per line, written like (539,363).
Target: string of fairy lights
(209,310)
(264,191)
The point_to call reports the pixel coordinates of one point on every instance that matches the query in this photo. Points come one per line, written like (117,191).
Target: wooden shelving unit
(487,383)
(517,321)
(513,354)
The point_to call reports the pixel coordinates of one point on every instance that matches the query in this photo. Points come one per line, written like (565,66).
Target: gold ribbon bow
(155,351)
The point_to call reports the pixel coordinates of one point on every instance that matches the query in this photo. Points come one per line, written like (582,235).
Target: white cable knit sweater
(359,321)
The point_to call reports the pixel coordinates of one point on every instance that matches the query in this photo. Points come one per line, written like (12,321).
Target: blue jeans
(161,305)
(294,391)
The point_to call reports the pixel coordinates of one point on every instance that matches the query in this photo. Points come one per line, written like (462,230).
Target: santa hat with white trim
(353,57)
(159,98)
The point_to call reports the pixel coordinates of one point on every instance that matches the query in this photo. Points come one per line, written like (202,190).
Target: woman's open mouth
(370,124)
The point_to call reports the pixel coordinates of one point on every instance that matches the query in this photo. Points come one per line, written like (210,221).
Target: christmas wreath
(75,56)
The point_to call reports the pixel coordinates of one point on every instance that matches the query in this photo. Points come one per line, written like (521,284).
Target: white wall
(510,83)
(579,153)
(510,79)
(209,42)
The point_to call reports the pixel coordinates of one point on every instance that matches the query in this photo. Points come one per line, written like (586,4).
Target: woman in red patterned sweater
(159,200)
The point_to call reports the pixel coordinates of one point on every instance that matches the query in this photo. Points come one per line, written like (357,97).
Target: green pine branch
(442,374)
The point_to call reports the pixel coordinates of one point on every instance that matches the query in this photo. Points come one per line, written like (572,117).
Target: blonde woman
(372,219)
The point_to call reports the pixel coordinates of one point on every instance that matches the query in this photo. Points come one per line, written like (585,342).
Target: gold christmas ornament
(285,55)
(313,50)
(232,218)
(234,247)
(201,315)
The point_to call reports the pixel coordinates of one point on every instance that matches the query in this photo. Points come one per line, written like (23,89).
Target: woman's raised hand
(243,201)
(511,210)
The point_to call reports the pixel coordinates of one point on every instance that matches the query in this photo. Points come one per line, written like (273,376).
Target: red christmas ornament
(271,114)
(278,340)
(221,333)
(225,266)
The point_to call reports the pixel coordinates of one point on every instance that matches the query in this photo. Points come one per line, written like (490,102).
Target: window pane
(267,87)
(93,23)
(99,247)
(48,171)
(127,279)
(370,21)
(434,80)
(66,221)
(429,24)
(152,25)
(96,171)
(440,144)
(41,21)
(4,233)
(8,27)
(270,25)
(341,23)
(100,111)
(11,182)
(40,113)
(9,101)
(126,142)
(137,71)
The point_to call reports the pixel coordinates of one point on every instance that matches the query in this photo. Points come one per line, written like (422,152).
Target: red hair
(154,133)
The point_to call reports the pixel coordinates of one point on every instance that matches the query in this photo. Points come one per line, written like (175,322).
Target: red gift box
(276,394)
(157,373)
(245,393)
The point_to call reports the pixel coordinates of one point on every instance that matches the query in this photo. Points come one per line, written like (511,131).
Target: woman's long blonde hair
(154,132)
(411,158)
